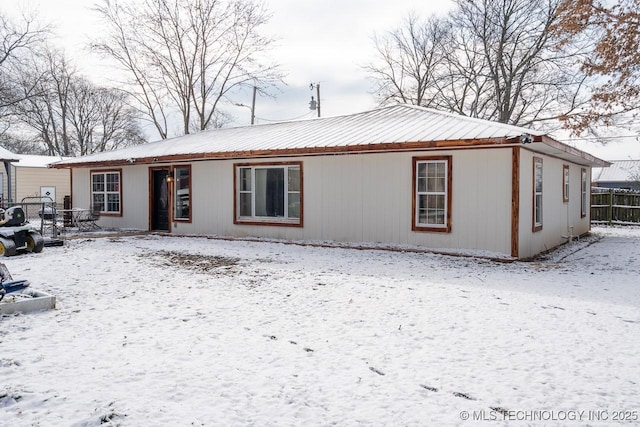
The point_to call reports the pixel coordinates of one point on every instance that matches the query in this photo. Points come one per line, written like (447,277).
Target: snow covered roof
(35,161)
(619,171)
(394,128)
(7,156)
(28,160)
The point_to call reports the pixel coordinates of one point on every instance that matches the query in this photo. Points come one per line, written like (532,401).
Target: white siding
(368,198)
(135,196)
(557,217)
(347,198)
(482,207)
(81,189)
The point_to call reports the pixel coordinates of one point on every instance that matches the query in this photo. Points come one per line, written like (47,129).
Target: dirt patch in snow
(210,264)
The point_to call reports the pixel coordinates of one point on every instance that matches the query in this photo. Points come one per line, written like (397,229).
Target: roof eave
(587,159)
(290,152)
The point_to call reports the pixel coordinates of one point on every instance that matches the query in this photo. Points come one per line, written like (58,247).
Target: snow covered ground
(269,334)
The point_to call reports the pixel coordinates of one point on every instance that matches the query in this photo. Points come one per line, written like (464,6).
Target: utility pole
(253,106)
(315,105)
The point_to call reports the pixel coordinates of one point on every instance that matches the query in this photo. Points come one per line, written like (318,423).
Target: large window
(269,194)
(432,194)
(182,193)
(565,183)
(106,191)
(537,194)
(584,190)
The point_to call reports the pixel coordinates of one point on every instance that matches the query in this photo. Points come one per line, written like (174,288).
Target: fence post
(611,193)
(66,218)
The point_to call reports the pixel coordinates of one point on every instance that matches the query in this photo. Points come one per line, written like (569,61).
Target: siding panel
(368,198)
(557,216)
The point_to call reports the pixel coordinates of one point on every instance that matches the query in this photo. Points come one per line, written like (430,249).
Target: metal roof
(395,127)
(619,171)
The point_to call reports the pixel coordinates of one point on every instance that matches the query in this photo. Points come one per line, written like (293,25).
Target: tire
(7,247)
(35,242)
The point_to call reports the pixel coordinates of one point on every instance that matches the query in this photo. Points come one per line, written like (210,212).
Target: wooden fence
(615,206)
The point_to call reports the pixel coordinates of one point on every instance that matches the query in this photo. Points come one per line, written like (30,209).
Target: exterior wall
(557,216)
(135,196)
(347,198)
(26,182)
(368,198)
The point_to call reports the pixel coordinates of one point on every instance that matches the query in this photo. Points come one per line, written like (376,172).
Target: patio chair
(87,221)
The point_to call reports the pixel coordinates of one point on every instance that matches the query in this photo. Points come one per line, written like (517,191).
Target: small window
(584,193)
(432,194)
(182,193)
(269,194)
(565,183)
(106,191)
(537,194)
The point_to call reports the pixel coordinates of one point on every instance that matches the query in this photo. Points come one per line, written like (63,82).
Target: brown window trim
(414,226)
(173,192)
(536,227)
(565,173)
(104,171)
(584,192)
(515,202)
(267,222)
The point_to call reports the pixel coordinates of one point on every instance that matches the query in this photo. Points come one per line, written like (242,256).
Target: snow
(174,331)
(35,161)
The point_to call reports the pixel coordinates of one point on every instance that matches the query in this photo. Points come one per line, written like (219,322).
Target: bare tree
(17,39)
(101,119)
(70,115)
(532,78)
(187,55)
(412,59)
(125,44)
(502,61)
(40,112)
(17,143)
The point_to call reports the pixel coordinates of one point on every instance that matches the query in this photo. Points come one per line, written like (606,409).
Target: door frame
(169,170)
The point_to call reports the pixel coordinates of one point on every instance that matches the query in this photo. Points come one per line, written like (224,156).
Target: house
(399,175)
(28,176)
(623,174)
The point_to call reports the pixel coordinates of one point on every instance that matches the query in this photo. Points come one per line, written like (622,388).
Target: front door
(159,200)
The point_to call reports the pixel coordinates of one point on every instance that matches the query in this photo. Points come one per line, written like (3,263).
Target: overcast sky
(326,42)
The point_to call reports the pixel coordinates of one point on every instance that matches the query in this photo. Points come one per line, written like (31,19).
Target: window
(106,191)
(432,194)
(182,193)
(565,183)
(537,194)
(584,193)
(269,194)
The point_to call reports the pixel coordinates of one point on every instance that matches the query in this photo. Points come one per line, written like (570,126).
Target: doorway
(159,203)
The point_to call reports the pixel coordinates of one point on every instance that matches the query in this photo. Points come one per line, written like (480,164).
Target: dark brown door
(160,201)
